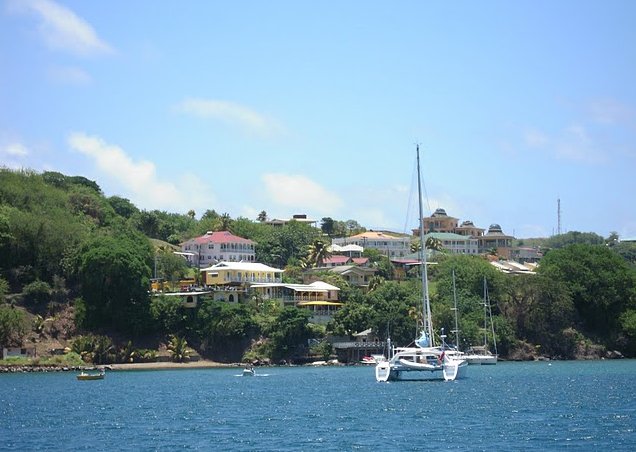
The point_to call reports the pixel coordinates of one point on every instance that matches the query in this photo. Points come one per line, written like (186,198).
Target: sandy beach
(201,364)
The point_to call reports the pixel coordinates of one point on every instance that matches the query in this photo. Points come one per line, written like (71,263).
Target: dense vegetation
(75,267)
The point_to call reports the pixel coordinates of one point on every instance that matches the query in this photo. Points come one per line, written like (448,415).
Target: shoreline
(201,364)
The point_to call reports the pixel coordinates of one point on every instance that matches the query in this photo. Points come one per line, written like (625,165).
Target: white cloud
(139,180)
(13,155)
(16,150)
(61,28)
(70,75)
(300,193)
(231,113)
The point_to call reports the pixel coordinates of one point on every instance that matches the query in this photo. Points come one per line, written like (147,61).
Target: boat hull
(83,377)
(481,359)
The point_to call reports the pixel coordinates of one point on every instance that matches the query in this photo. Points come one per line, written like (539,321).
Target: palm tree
(317,252)
(432,243)
(226,222)
(178,348)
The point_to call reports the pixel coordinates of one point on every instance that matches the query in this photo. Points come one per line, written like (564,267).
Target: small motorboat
(249,372)
(91,375)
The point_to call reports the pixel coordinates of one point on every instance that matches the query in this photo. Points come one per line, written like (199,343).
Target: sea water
(511,406)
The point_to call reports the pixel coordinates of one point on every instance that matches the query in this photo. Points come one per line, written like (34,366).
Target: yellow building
(240,274)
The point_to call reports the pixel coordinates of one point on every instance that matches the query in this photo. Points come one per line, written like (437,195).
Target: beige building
(389,245)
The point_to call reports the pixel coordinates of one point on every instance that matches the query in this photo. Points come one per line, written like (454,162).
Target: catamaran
(425,360)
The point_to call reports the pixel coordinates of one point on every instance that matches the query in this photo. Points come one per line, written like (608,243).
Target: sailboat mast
(485,313)
(456,312)
(426,305)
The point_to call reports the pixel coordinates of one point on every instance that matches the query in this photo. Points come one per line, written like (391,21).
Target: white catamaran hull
(420,364)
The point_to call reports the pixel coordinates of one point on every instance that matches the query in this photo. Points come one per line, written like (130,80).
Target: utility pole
(558,216)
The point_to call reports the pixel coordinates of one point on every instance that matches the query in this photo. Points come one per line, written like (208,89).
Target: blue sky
(315,107)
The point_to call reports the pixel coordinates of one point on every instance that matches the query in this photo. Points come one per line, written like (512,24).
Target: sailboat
(426,360)
(482,354)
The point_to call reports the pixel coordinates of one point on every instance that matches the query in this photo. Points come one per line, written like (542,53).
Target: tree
(601,283)
(226,222)
(317,252)
(114,276)
(122,206)
(178,348)
(574,237)
(289,333)
(327,226)
(14,325)
(262,216)
(224,329)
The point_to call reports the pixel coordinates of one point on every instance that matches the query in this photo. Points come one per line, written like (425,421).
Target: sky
(316,108)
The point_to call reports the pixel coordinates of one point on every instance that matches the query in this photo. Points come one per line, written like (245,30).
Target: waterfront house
(319,298)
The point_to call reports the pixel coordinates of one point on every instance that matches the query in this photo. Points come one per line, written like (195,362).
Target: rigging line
(428,204)
(411,206)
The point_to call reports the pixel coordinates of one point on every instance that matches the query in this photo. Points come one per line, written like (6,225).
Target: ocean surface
(511,406)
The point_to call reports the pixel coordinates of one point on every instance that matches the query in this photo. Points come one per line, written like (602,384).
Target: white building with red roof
(214,247)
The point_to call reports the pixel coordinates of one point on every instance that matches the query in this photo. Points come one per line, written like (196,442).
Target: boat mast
(485,314)
(456,312)
(492,325)
(426,306)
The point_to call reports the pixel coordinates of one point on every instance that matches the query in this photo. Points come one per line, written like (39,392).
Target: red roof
(337,259)
(360,260)
(221,237)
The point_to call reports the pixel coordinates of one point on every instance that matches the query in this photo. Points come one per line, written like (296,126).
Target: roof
(342,269)
(336,260)
(513,267)
(375,236)
(242,266)
(346,248)
(364,333)
(360,260)
(319,303)
(220,237)
(449,236)
(318,286)
(323,285)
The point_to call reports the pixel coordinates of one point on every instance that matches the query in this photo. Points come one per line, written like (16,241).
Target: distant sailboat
(482,354)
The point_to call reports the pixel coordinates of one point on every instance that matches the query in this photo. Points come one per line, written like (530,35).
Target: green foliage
(224,328)
(114,277)
(95,349)
(601,283)
(627,250)
(327,225)
(289,333)
(317,252)
(122,206)
(14,325)
(4,288)
(169,266)
(169,315)
(322,349)
(178,347)
(572,238)
(37,293)
(390,304)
